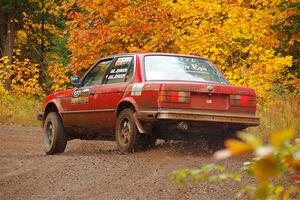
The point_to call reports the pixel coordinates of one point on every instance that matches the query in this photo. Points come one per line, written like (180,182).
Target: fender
(56,103)
(130,100)
(41,116)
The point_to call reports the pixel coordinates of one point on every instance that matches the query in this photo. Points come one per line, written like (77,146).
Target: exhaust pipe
(183,126)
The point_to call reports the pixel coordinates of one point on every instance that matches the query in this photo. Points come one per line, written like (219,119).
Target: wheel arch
(52,106)
(126,103)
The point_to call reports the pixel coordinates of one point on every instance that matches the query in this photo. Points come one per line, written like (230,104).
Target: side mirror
(75,80)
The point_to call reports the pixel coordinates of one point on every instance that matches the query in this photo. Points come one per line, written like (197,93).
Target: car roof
(152,54)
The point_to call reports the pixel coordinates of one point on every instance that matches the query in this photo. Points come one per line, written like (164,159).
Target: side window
(96,75)
(121,71)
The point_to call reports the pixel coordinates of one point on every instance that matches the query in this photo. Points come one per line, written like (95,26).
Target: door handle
(92,93)
(120,90)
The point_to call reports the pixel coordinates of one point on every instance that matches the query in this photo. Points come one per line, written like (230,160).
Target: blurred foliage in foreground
(275,165)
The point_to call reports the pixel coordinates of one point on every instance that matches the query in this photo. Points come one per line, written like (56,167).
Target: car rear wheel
(128,138)
(55,139)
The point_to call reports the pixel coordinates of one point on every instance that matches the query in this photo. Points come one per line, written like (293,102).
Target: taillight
(174,97)
(241,100)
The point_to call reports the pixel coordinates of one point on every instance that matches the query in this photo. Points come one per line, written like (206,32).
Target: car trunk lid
(207,96)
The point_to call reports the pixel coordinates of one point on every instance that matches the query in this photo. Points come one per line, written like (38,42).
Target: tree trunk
(42,68)
(8,47)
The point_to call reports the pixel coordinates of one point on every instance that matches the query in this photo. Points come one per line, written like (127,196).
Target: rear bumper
(210,116)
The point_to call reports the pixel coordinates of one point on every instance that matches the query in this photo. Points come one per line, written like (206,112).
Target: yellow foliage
(22,74)
(265,168)
(3,91)
(275,165)
(236,37)
(278,138)
(273,160)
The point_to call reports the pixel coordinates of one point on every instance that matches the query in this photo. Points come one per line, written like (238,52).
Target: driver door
(79,105)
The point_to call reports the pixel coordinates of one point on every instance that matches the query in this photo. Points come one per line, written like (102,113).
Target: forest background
(255,43)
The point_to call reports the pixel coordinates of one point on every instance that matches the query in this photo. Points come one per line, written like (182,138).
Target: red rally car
(140,97)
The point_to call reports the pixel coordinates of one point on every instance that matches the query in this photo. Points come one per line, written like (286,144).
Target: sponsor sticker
(116,76)
(76,93)
(123,61)
(194,67)
(80,100)
(137,89)
(80,96)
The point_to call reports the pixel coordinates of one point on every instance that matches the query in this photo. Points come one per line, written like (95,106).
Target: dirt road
(95,170)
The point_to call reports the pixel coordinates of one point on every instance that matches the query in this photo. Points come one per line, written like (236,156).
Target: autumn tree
(255,43)
(289,36)
(32,35)
(238,36)
(10,15)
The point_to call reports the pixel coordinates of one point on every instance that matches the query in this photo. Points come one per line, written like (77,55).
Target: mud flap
(139,125)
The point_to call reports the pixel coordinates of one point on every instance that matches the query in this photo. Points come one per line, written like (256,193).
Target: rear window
(180,68)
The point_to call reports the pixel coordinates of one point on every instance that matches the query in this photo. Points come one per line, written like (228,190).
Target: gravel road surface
(96,170)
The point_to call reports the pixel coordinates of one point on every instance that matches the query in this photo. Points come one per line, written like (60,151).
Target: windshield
(180,68)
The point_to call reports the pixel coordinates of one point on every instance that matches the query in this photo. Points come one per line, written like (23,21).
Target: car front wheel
(55,139)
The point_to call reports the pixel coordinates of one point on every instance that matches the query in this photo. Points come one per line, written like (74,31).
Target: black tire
(55,140)
(128,138)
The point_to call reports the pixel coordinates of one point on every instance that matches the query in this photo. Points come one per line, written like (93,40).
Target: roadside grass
(280,114)
(19,110)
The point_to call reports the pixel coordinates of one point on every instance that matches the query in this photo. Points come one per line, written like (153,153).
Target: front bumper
(211,116)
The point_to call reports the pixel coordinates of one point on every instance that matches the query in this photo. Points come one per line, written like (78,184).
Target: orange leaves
(214,29)
(58,74)
(233,148)
(297,178)
(100,28)
(293,162)
(237,147)
(248,144)
(71,15)
(236,35)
